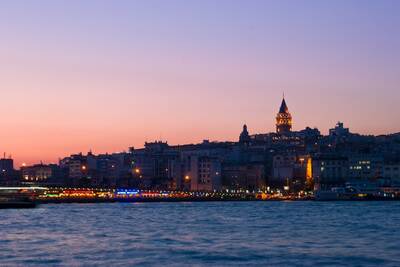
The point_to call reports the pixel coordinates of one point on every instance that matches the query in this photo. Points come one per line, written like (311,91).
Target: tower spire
(283,118)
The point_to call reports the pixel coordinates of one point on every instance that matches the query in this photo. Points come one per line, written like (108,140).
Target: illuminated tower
(283,119)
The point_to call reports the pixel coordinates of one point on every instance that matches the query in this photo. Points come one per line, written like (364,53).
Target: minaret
(283,119)
(244,136)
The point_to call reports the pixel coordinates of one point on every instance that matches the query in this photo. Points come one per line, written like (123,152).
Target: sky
(106,75)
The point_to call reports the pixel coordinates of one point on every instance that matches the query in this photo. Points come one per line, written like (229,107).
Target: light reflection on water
(213,233)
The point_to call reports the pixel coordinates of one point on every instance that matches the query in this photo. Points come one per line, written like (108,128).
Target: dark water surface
(199,234)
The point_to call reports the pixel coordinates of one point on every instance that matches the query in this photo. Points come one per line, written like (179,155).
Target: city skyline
(285,122)
(200,133)
(113,75)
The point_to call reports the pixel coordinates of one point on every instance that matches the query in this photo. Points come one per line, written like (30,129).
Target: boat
(16,203)
(354,191)
(18,197)
(337,193)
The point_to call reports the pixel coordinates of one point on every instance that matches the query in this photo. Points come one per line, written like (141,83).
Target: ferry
(19,197)
(356,191)
(335,193)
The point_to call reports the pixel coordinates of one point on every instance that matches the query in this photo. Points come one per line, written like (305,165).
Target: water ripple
(201,234)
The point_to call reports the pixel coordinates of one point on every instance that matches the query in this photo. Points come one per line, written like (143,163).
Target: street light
(286,188)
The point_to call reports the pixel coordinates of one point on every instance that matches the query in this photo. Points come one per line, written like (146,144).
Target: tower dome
(283,119)
(244,136)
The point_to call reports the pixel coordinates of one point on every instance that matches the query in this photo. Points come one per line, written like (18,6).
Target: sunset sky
(106,75)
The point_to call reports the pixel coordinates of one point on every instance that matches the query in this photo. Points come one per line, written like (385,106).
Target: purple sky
(105,75)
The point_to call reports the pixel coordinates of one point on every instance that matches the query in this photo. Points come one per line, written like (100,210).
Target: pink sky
(107,76)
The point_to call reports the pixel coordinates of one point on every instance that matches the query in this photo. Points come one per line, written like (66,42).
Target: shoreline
(96,201)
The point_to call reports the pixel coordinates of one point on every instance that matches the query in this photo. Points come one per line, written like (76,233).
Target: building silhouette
(295,160)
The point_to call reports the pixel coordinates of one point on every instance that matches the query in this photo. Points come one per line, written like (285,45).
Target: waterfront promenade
(43,195)
(87,195)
